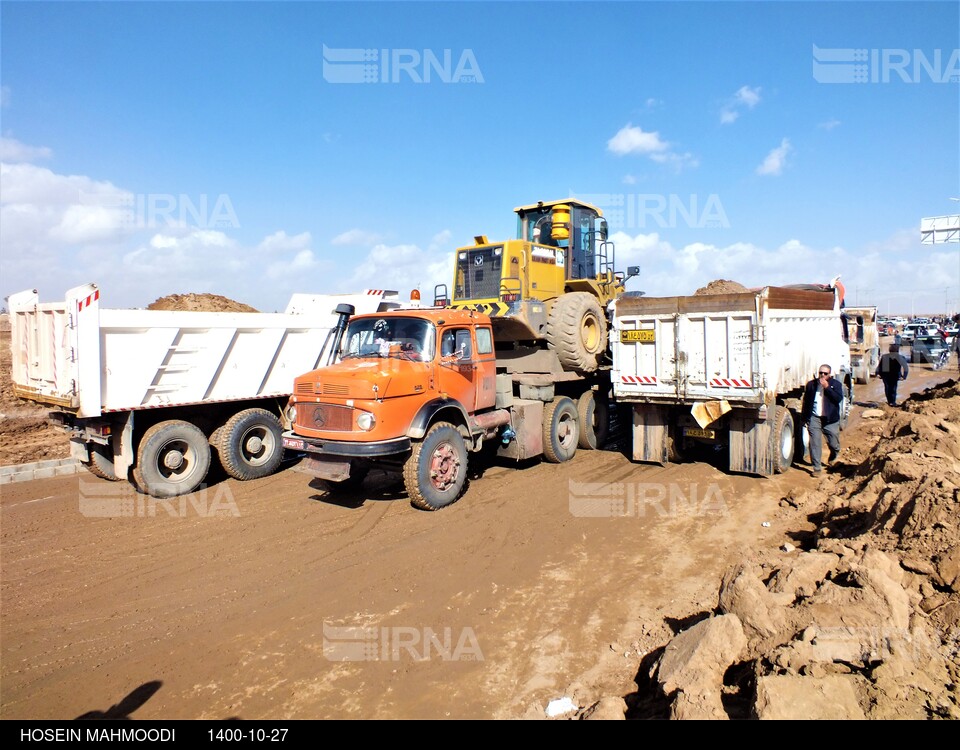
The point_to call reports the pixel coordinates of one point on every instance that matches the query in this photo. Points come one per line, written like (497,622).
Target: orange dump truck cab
(415,391)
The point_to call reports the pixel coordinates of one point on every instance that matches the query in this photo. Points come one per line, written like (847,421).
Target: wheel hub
(254,444)
(444,466)
(173,459)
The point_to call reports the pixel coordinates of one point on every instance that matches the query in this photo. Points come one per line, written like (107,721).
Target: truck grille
(331,417)
(305,389)
(335,389)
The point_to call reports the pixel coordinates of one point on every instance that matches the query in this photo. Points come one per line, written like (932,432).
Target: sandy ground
(272,599)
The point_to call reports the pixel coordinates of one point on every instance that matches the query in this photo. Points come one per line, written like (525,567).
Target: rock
(948,566)
(792,697)
(873,413)
(611,708)
(801,575)
(559,707)
(788,548)
(695,660)
(743,594)
(697,706)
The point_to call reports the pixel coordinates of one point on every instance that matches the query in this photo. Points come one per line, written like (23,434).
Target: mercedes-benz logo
(319,416)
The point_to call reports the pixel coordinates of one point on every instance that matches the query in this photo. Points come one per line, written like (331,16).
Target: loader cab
(577,228)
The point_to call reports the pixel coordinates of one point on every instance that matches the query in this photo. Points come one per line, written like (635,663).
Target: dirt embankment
(721,286)
(858,616)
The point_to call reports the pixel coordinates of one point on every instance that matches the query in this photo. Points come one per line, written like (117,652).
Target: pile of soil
(204,302)
(721,286)
(861,619)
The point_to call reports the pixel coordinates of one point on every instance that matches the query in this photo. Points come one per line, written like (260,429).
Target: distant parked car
(928,349)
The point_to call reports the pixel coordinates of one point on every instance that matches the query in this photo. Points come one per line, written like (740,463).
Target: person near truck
(891,370)
(822,398)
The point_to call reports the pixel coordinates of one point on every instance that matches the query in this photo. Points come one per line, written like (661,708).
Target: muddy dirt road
(243,601)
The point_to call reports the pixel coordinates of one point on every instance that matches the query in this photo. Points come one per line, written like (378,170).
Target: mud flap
(331,469)
(650,431)
(751,445)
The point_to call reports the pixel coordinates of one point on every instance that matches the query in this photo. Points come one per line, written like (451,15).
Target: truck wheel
(101,465)
(783,441)
(561,430)
(173,459)
(593,412)
(436,472)
(577,331)
(250,444)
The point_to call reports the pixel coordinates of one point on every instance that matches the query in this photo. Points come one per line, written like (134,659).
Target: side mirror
(632,271)
(603,230)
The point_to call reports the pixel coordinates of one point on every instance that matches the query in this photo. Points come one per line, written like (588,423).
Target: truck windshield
(403,338)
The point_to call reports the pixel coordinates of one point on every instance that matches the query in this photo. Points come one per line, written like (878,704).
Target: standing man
(892,369)
(821,414)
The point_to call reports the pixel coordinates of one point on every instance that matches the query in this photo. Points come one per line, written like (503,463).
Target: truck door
(458,376)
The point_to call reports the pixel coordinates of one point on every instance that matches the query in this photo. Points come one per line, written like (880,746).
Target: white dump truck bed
(743,348)
(92,360)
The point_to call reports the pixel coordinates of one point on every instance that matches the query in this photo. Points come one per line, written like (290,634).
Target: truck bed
(736,347)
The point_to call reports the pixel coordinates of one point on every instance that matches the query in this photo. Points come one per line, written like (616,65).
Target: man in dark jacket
(892,369)
(822,399)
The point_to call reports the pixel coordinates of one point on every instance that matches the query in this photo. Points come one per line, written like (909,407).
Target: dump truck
(419,391)
(155,395)
(726,370)
(864,341)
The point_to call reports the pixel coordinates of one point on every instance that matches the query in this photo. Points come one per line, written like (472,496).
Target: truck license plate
(646,335)
(698,433)
(296,445)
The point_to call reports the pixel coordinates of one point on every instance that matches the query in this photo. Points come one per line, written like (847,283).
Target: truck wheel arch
(439,409)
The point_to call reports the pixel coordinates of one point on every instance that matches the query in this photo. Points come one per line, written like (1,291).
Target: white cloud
(745,97)
(280,241)
(652,103)
(356,237)
(775,161)
(301,262)
(13,151)
(634,140)
(829,124)
(406,267)
(629,179)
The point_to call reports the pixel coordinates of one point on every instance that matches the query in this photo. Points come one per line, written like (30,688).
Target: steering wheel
(412,350)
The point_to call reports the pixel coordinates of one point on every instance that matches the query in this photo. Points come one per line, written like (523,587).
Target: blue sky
(159,148)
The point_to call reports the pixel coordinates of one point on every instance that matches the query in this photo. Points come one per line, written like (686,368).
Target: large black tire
(100,464)
(250,444)
(435,474)
(783,440)
(173,459)
(577,331)
(593,410)
(561,430)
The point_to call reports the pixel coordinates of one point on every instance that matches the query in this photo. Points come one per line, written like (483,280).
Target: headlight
(292,414)
(366,421)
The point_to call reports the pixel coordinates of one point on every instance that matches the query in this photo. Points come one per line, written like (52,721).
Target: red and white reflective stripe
(91,298)
(375,292)
(639,379)
(730,383)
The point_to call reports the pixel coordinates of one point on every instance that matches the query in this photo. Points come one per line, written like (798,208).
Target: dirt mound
(721,286)
(861,619)
(200,303)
